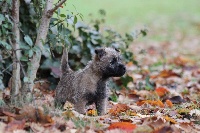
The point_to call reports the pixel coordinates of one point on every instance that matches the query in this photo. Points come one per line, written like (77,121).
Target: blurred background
(173,26)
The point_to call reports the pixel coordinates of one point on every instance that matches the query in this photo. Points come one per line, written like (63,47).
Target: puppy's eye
(113,60)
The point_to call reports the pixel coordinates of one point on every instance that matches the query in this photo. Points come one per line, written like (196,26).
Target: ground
(165,93)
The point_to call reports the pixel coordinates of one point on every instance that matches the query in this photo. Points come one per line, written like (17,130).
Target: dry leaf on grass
(166,74)
(151,102)
(126,126)
(118,108)
(182,61)
(161,91)
(165,129)
(14,125)
(92,112)
(32,114)
(167,118)
(169,103)
(176,99)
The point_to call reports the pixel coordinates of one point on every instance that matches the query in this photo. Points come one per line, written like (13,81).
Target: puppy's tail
(64,62)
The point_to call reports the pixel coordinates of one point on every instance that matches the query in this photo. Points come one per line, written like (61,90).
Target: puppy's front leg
(101,106)
(80,107)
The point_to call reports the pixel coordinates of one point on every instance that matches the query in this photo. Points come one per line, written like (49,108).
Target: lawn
(127,15)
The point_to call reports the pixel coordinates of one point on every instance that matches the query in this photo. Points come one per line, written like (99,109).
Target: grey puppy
(89,85)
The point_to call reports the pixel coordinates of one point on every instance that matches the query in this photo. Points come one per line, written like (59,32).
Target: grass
(127,15)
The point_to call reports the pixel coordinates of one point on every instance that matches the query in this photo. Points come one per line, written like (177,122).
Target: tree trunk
(41,37)
(16,82)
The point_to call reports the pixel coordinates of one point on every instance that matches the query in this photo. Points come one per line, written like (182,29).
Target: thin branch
(7,67)
(57,6)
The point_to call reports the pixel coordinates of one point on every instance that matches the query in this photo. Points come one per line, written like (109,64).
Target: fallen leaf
(33,114)
(183,61)
(126,126)
(134,97)
(151,102)
(176,99)
(43,86)
(92,112)
(118,108)
(165,129)
(167,118)
(166,74)
(14,125)
(6,94)
(161,91)
(169,103)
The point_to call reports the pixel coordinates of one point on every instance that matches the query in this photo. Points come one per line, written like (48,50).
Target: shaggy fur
(89,85)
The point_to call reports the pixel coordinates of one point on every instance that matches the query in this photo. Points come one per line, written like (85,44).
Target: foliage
(65,31)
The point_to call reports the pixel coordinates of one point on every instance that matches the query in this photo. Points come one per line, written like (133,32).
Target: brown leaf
(33,114)
(9,114)
(166,74)
(165,129)
(6,94)
(176,99)
(134,97)
(126,126)
(43,86)
(118,108)
(183,61)
(14,125)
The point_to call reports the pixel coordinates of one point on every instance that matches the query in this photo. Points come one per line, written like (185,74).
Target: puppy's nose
(122,67)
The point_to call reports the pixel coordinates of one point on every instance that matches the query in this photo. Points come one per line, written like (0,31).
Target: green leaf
(149,85)
(62,15)
(75,19)
(24,58)
(30,53)
(36,49)
(24,46)
(129,37)
(144,32)
(28,40)
(126,79)
(2,18)
(6,45)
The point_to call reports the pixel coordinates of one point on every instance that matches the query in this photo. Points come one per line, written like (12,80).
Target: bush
(64,31)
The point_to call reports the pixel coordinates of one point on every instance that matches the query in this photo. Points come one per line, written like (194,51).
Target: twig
(7,67)
(57,6)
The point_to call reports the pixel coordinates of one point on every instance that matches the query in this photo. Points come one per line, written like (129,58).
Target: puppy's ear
(100,52)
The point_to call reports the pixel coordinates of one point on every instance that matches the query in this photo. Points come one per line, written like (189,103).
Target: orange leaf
(169,103)
(129,64)
(161,91)
(128,127)
(166,74)
(118,108)
(92,112)
(140,103)
(151,102)
(170,119)
(183,61)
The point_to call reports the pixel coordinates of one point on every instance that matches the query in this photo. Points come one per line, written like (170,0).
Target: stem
(41,38)
(16,82)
